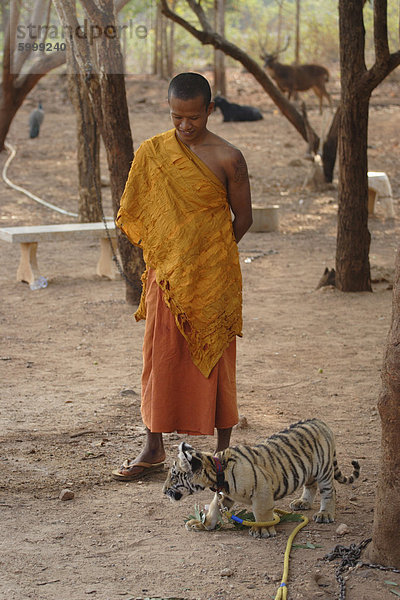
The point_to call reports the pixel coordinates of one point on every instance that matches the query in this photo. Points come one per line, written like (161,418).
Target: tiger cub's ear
(188,458)
(185,455)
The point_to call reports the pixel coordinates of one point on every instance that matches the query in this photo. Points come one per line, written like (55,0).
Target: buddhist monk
(187,204)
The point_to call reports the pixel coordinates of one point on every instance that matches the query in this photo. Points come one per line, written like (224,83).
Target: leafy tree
(23,67)
(357,84)
(24,31)
(207,36)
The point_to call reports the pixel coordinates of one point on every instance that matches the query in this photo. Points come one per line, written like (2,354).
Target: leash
(283,589)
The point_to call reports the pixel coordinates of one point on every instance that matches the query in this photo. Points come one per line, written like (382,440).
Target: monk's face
(190,118)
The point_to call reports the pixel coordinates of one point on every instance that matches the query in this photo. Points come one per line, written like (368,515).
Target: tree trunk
(297,39)
(13,92)
(353,237)
(8,110)
(219,56)
(119,148)
(171,46)
(164,48)
(106,88)
(157,58)
(385,547)
(117,138)
(89,209)
(3,17)
(329,149)
(279,32)
(88,143)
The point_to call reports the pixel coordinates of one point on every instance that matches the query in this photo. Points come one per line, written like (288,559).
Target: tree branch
(95,13)
(79,45)
(26,82)
(119,5)
(379,71)
(40,20)
(199,12)
(385,62)
(381,32)
(9,47)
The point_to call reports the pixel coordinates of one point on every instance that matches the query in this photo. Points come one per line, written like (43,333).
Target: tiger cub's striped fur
(301,456)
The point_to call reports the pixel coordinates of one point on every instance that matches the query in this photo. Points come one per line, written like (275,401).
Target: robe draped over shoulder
(176,209)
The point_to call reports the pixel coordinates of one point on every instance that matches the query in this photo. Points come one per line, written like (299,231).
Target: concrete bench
(29,237)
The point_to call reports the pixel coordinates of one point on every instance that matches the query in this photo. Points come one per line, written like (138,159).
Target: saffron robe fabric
(176,396)
(176,209)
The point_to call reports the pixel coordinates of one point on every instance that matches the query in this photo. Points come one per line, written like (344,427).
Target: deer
(297,78)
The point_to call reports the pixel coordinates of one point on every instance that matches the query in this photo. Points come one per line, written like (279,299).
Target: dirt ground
(71,361)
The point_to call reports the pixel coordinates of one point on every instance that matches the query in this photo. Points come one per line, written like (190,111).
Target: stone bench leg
(28,268)
(387,205)
(386,202)
(105,264)
(371,201)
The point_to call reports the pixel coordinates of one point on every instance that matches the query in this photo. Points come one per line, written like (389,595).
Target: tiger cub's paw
(323,517)
(262,532)
(195,525)
(300,504)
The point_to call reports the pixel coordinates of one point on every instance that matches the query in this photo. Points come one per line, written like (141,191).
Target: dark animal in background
(236,112)
(297,78)
(328,278)
(35,120)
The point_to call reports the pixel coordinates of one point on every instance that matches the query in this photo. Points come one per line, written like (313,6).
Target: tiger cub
(302,455)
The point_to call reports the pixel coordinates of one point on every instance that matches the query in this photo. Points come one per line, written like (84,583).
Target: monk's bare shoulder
(231,158)
(223,145)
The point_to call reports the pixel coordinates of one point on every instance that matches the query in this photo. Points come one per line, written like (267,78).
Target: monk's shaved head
(187,86)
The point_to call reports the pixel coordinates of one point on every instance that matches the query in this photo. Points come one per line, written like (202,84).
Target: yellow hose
(282,590)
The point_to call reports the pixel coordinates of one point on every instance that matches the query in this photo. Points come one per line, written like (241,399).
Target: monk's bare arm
(239,197)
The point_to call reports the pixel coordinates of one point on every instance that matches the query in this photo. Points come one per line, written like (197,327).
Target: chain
(350,560)
(88,76)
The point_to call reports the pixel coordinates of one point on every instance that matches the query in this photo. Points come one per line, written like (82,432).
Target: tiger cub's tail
(341,478)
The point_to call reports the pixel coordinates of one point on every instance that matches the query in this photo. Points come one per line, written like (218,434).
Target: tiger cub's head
(186,476)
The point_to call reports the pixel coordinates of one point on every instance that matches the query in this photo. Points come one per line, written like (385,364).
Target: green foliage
(393,584)
(291,518)
(307,546)
(249,516)
(199,514)
(252,24)
(245,516)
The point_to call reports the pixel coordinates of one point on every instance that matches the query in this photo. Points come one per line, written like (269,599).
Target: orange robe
(176,396)
(176,209)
